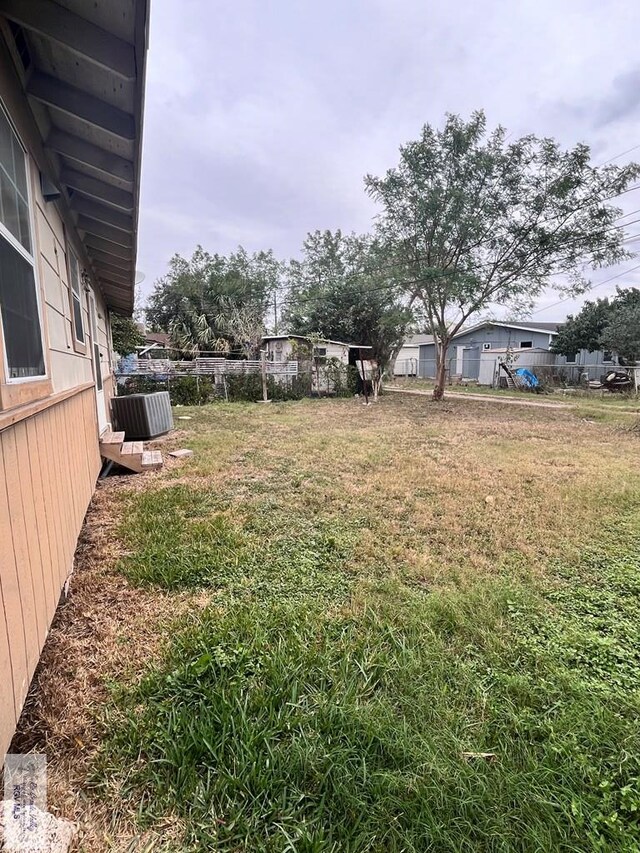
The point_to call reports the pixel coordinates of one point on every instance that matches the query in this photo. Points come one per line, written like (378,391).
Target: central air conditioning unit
(142,416)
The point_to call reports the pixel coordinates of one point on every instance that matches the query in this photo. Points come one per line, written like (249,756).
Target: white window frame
(486,347)
(529,345)
(95,341)
(31,259)
(73,258)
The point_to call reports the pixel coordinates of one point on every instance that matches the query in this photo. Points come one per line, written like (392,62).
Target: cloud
(263,117)
(623,102)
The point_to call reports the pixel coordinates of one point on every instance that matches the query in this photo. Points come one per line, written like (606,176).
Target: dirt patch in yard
(104,631)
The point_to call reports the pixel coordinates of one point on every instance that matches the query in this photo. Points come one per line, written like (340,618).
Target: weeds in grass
(280,725)
(183,538)
(379,593)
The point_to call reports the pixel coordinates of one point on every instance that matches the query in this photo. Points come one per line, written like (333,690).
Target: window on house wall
(320,352)
(526,344)
(97,365)
(76,297)
(607,355)
(486,346)
(572,358)
(22,332)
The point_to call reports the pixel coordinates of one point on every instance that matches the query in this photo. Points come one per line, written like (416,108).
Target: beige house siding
(49,455)
(72,86)
(69,368)
(48,467)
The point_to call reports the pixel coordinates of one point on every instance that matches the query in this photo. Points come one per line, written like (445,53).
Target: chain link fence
(488,372)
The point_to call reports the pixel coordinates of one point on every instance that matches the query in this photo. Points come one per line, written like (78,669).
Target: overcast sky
(263,117)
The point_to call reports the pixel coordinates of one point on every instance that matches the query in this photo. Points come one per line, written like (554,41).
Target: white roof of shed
(545,328)
(501,350)
(417,340)
(316,340)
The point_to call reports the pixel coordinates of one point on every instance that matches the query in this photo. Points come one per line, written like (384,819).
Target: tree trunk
(390,367)
(441,372)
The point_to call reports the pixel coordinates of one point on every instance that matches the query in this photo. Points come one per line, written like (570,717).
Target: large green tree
(215,302)
(344,289)
(125,334)
(611,324)
(475,220)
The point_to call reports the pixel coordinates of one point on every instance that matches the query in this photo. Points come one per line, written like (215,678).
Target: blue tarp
(529,379)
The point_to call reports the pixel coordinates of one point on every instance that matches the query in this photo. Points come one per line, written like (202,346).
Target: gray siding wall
(591,359)
(498,336)
(501,337)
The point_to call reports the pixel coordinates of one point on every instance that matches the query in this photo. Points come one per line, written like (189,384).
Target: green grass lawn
(372,594)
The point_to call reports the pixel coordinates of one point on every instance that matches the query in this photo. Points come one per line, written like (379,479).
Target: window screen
(20,320)
(76,297)
(18,296)
(14,205)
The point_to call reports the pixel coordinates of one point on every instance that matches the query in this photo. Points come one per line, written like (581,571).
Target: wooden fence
(210,367)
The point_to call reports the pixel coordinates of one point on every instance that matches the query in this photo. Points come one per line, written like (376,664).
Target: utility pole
(275,311)
(263,357)
(364,378)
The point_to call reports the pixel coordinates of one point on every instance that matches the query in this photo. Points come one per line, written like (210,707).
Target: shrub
(183,390)
(196,391)
(192,391)
(341,379)
(141,385)
(248,387)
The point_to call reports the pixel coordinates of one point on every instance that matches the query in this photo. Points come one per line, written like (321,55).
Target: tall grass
(308,712)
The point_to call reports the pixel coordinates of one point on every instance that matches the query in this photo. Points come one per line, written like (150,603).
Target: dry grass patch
(444,488)
(105,631)
(363,524)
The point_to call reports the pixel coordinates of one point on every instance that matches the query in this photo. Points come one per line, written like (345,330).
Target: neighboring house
(463,356)
(290,347)
(155,346)
(161,340)
(406,363)
(316,352)
(154,341)
(71,93)
(475,352)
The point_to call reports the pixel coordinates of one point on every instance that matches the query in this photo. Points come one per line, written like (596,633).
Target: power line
(395,285)
(299,301)
(295,301)
(631,212)
(621,154)
(320,297)
(595,286)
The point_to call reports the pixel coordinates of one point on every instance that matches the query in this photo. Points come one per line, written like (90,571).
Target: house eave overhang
(521,328)
(84,86)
